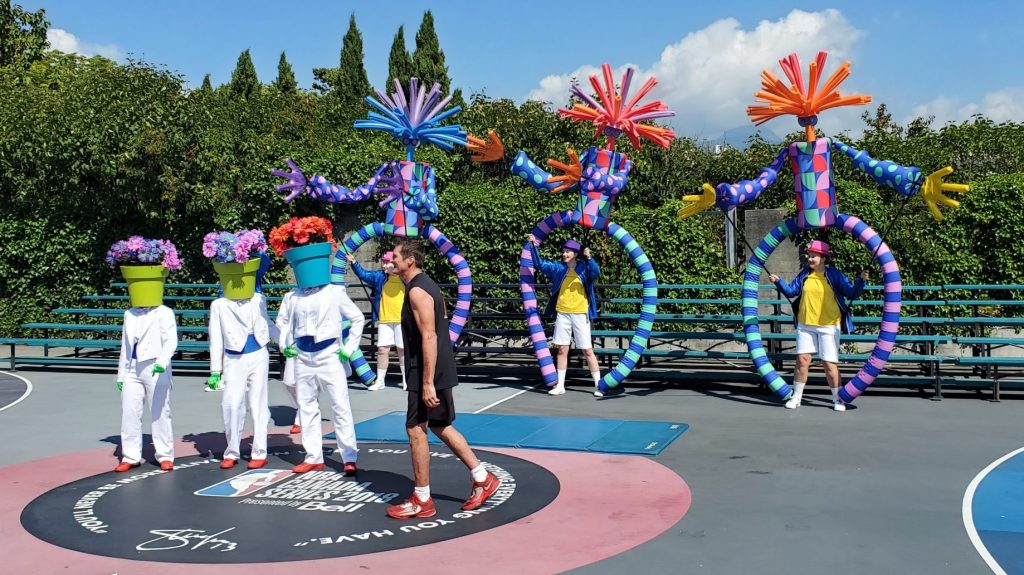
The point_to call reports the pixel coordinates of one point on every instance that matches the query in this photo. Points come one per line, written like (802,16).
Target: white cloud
(1000,106)
(64,41)
(709,76)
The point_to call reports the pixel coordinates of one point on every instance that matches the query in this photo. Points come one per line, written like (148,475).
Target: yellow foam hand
(700,202)
(483,150)
(933,188)
(572,172)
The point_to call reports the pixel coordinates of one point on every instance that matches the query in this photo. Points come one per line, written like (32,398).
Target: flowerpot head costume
(600,175)
(811,164)
(414,118)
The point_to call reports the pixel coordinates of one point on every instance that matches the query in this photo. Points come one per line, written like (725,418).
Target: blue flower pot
(311,264)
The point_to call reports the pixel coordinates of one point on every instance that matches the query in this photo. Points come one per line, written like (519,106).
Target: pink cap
(819,247)
(388,257)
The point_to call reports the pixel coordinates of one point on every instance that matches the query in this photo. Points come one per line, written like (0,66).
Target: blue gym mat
(561,433)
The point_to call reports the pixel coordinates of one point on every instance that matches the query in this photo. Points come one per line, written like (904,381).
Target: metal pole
(730,239)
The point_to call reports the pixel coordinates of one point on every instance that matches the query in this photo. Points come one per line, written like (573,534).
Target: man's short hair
(412,247)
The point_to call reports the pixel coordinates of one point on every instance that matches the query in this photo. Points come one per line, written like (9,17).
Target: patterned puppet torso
(602,182)
(406,213)
(811,163)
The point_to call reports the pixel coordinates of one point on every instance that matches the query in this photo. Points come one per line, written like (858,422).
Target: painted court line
(968,514)
(500,401)
(28,390)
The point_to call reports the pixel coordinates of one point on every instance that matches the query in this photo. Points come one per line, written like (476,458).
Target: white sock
(381,373)
(561,377)
(835,394)
(798,390)
(597,377)
(479,473)
(422,493)
(401,367)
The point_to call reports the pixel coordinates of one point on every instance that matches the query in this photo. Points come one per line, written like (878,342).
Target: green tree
(244,83)
(428,59)
(348,81)
(207,87)
(399,62)
(285,82)
(22,35)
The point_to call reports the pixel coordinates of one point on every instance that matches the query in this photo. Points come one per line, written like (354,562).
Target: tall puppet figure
(413,118)
(811,163)
(600,176)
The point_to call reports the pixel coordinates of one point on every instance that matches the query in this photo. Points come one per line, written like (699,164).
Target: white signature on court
(177,538)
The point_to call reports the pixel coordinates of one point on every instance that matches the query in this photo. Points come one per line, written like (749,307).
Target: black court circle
(199,513)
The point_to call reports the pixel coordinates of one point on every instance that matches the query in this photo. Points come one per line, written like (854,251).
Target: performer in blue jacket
(388,293)
(574,305)
(821,296)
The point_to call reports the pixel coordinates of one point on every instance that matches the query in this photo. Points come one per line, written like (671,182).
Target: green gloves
(213,381)
(342,355)
(120,385)
(158,369)
(290,351)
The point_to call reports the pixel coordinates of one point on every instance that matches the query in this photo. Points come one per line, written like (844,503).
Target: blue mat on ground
(561,433)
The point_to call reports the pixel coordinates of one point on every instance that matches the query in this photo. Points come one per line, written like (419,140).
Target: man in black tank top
(430,376)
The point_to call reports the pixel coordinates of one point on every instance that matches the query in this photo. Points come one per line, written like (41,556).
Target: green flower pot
(311,264)
(238,280)
(145,284)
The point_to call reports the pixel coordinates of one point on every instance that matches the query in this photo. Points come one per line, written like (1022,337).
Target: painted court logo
(246,483)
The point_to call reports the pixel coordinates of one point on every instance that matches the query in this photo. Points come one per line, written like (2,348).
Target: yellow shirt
(818,305)
(571,296)
(391,300)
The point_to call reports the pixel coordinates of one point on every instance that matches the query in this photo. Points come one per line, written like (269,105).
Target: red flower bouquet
(298,232)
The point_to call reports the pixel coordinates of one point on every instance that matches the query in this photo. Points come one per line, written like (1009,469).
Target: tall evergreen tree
(428,59)
(352,83)
(22,35)
(244,83)
(399,62)
(207,86)
(285,82)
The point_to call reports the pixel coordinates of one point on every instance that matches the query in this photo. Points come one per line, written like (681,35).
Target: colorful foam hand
(934,186)
(297,182)
(571,172)
(490,150)
(700,203)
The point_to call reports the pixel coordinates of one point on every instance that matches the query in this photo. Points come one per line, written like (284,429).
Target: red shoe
(412,507)
(167,465)
(350,469)
(125,466)
(295,429)
(481,491)
(228,463)
(256,463)
(307,467)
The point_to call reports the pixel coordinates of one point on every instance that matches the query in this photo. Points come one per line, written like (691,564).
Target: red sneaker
(481,491)
(125,466)
(307,467)
(412,507)
(167,465)
(256,463)
(228,463)
(295,429)
(350,469)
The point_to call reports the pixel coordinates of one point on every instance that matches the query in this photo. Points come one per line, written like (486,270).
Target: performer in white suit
(149,338)
(239,333)
(288,373)
(312,335)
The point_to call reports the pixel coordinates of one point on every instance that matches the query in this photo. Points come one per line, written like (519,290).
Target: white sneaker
(220,387)
(403,386)
(793,403)
(598,393)
(557,390)
(377,386)
(838,405)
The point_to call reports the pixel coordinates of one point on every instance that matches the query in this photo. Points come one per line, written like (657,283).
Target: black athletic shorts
(417,412)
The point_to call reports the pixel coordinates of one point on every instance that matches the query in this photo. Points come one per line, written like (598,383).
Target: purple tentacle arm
(594,180)
(727,196)
(296,181)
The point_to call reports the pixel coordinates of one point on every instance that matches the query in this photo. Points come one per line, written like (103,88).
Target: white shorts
(820,340)
(389,334)
(575,326)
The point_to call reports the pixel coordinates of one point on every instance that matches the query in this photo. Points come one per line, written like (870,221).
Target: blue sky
(948,59)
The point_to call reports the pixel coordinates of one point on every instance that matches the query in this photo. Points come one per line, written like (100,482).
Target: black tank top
(444,370)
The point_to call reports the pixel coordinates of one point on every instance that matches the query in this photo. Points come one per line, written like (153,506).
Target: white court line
(968,514)
(500,401)
(28,389)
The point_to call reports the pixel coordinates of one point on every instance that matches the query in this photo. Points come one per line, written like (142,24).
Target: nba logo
(246,483)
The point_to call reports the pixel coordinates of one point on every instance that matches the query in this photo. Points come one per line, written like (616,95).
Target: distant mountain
(739,136)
